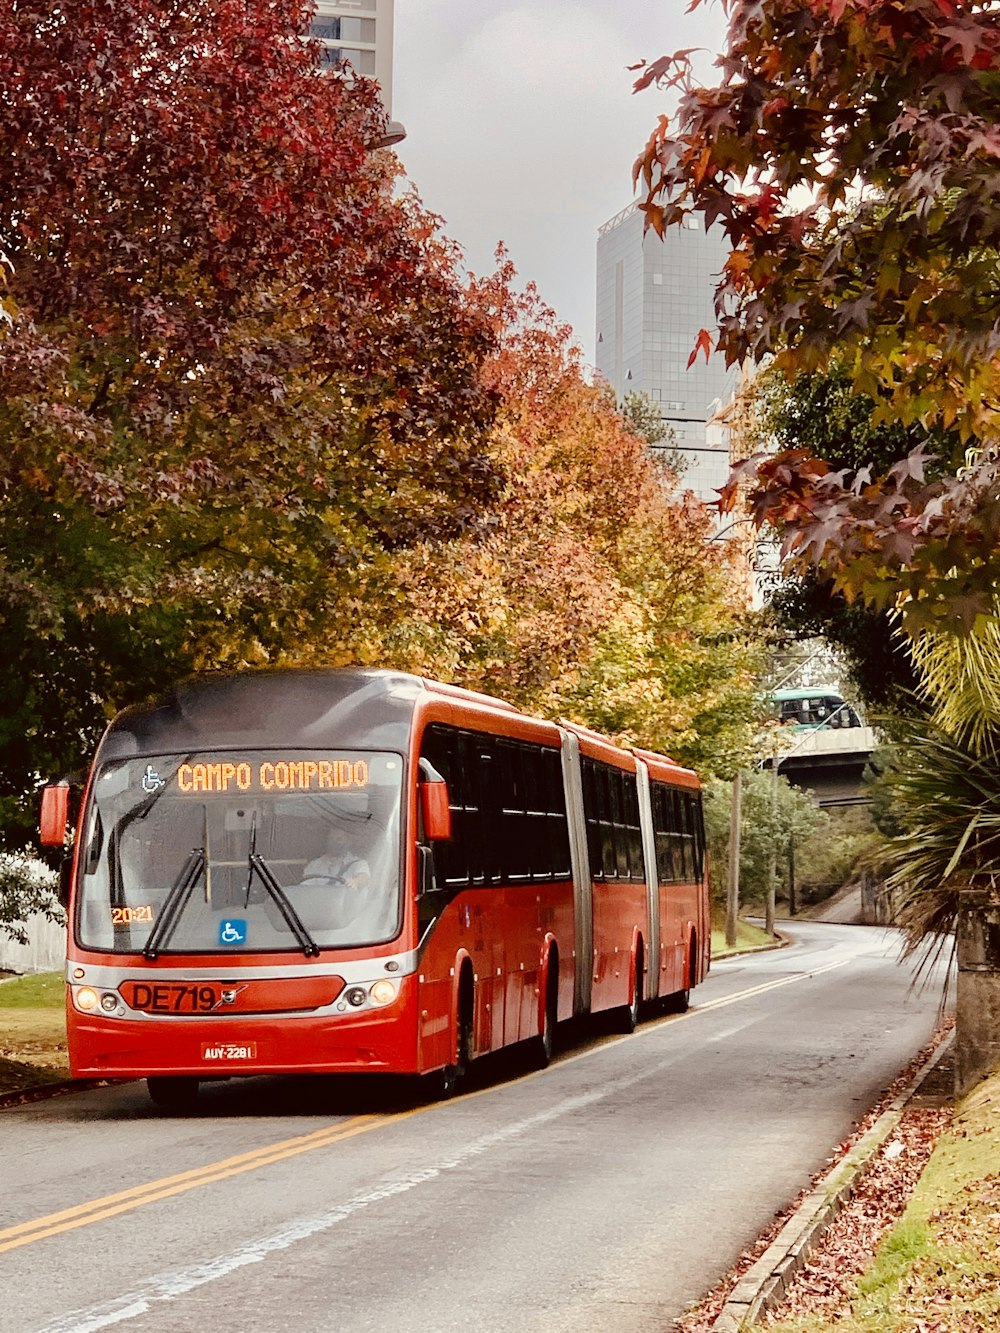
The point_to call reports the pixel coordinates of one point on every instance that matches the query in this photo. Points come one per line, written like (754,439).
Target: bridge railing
(830,740)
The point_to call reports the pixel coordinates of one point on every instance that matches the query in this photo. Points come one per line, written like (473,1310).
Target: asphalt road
(608,1192)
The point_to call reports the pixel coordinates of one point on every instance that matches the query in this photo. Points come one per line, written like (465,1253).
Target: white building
(359,31)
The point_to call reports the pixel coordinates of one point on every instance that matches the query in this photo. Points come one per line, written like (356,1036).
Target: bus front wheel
(442,1083)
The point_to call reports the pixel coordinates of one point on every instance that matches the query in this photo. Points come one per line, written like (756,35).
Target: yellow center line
(11,1238)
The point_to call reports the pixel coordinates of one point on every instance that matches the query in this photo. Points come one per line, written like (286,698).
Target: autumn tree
(821,412)
(242,378)
(775,816)
(644,417)
(850,153)
(598,593)
(251,413)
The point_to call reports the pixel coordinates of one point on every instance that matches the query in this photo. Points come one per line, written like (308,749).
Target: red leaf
(703,343)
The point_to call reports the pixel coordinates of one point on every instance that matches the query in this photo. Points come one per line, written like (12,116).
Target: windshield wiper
(256,865)
(175,902)
(197,864)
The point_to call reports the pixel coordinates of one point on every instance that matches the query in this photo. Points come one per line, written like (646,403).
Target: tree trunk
(733,888)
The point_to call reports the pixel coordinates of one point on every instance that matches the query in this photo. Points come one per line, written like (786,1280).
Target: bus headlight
(109,1002)
(355,996)
(86,999)
(383,992)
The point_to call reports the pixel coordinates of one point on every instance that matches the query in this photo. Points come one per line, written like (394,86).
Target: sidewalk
(843,909)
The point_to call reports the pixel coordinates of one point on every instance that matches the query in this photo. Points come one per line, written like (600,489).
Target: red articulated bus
(362,870)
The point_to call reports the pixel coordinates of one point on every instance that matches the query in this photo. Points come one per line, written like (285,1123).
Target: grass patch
(32,1032)
(747,937)
(939,1267)
(43,990)
(901,1247)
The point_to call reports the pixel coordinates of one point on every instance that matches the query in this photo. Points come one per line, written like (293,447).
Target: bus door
(654,963)
(583,891)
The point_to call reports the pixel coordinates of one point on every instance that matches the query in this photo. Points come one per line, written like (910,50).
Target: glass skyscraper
(653,297)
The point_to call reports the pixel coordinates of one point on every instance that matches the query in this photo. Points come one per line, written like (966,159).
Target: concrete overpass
(829,762)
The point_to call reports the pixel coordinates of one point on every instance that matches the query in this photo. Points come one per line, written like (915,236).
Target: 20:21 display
(127,916)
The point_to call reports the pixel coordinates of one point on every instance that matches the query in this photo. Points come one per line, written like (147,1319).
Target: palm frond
(946,795)
(960,677)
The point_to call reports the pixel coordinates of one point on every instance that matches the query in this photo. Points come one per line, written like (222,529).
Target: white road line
(732,1031)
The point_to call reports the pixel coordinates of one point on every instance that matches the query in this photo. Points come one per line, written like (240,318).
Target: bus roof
(340,708)
(336,707)
(813,692)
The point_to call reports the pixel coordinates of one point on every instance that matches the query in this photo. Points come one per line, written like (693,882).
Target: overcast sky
(522,126)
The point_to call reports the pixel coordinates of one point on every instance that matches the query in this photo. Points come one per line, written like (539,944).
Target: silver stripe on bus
(654,957)
(353,971)
(583,908)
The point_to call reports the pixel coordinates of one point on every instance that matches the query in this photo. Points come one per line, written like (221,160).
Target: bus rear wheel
(680,1000)
(542,1047)
(173,1092)
(629,1013)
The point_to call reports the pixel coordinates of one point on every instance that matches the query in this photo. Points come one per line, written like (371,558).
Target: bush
(834,856)
(26,886)
(827,846)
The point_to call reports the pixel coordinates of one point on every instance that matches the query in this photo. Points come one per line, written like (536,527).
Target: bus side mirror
(435,808)
(55,813)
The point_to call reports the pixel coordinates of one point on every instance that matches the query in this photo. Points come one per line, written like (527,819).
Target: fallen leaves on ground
(824,1286)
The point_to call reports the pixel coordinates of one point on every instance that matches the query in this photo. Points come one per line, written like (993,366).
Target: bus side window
(470,814)
(439,749)
(606,814)
(426,879)
(661,831)
(591,808)
(557,827)
(633,833)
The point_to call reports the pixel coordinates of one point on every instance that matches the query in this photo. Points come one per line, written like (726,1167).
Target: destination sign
(272,775)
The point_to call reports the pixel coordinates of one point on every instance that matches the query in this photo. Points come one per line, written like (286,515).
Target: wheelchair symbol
(151,780)
(232,931)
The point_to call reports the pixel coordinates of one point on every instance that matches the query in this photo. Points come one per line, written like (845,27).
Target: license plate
(221,1050)
(268,996)
(171,997)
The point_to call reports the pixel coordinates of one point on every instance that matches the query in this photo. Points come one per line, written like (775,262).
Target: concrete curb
(42,1091)
(763,1286)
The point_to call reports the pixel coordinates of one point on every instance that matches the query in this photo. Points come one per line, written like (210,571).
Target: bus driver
(339,863)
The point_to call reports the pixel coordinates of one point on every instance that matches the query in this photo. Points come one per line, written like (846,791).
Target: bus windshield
(242,852)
